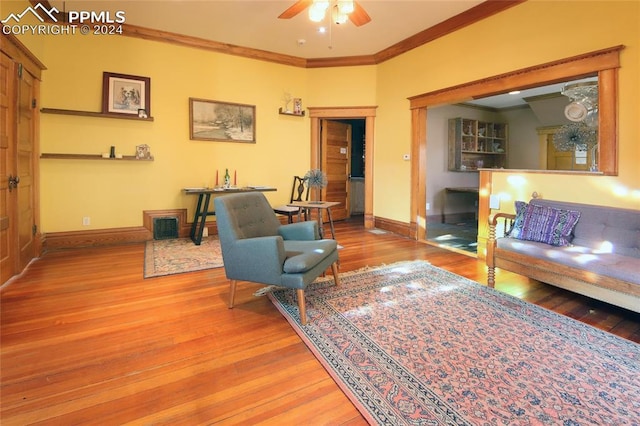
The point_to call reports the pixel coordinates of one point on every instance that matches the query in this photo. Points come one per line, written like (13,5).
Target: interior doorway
(335,152)
(364,115)
(357,168)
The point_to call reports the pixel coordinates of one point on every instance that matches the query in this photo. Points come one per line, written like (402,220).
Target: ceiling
(524,97)
(255,23)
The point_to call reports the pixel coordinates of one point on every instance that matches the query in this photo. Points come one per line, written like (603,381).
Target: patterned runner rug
(410,343)
(176,256)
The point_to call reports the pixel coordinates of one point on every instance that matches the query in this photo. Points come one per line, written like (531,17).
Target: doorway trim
(368,113)
(603,63)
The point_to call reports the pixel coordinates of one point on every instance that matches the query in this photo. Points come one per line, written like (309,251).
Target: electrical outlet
(205,232)
(406,157)
(86,221)
(428,206)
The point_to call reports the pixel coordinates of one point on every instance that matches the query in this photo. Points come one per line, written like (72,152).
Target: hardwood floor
(87,340)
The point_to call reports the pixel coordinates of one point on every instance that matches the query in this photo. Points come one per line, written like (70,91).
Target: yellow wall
(115,194)
(345,86)
(604,190)
(529,34)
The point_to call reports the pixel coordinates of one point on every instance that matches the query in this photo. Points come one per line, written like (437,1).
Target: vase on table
(316,179)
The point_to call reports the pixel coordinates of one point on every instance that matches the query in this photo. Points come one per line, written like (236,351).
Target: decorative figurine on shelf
(287,100)
(297,106)
(227,179)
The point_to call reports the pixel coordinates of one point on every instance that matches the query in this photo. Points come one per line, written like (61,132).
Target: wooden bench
(602,262)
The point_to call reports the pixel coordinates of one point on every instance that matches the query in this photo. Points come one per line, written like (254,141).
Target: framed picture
(143,152)
(221,121)
(126,94)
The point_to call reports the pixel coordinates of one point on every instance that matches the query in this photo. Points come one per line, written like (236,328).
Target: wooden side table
(318,206)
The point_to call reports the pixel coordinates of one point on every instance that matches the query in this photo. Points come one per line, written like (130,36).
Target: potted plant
(316,179)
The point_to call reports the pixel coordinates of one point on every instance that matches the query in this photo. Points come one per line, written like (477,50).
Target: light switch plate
(494,202)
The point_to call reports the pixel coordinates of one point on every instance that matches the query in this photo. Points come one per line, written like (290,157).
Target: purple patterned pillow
(516,229)
(544,224)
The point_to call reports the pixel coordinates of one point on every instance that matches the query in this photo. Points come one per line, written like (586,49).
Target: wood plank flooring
(87,340)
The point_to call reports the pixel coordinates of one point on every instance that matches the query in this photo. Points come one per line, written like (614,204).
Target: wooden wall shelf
(93,114)
(91,157)
(300,114)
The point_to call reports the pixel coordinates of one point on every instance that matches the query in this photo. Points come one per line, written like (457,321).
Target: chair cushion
(288,209)
(597,261)
(304,255)
(601,226)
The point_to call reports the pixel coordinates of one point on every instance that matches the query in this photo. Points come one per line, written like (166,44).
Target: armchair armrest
(300,231)
(256,259)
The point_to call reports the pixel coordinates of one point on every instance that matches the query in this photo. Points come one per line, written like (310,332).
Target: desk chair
(297,190)
(257,248)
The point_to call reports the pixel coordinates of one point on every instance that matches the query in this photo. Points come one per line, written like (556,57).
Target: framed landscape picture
(221,121)
(126,94)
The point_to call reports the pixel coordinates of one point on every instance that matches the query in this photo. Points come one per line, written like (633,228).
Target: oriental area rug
(412,344)
(180,255)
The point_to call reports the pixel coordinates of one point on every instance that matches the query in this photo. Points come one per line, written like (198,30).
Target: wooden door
(26,154)
(565,160)
(18,148)
(336,163)
(8,199)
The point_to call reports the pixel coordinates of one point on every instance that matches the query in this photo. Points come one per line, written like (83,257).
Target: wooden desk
(202,208)
(319,206)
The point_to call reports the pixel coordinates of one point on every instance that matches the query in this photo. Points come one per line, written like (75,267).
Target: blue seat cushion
(304,255)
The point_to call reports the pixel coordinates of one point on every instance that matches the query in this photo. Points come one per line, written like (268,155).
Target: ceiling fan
(340,10)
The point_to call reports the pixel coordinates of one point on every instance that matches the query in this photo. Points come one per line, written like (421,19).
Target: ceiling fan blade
(297,7)
(359,16)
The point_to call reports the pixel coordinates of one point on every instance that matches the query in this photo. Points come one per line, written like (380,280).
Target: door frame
(335,113)
(603,63)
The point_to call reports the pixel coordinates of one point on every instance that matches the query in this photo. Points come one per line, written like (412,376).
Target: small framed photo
(143,152)
(221,121)
(126,94)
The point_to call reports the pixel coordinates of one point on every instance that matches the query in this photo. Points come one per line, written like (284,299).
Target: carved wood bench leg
(491,277)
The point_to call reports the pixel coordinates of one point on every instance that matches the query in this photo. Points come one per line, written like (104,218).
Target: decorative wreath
(316,178)
(574,134)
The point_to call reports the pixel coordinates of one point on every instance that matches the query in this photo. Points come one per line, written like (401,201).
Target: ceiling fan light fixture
(346,6)
(338,17)
(584,102)
(575,111)
(318,9)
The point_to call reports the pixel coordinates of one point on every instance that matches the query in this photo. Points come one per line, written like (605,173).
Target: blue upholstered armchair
(257,248)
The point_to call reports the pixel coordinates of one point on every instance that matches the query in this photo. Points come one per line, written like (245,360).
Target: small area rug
(179,255)
(412,344)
